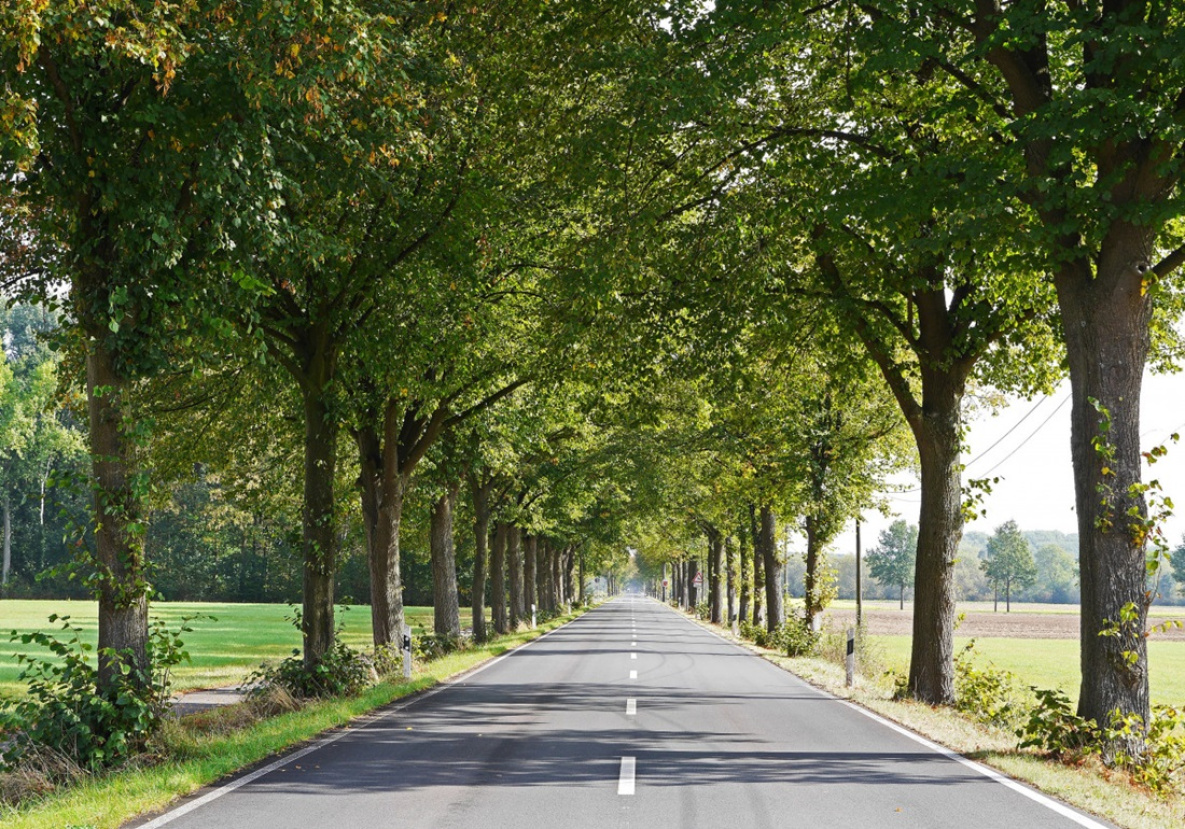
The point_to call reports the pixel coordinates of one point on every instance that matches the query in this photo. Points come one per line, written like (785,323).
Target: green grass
(229,642)
(110,801)
(1053,663)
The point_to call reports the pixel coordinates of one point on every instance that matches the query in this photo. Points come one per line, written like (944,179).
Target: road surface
(630,716)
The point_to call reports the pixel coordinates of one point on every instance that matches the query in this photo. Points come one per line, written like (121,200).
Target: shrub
(342,671)
(794,637)
(1055,728)
(65,714)
(988,695)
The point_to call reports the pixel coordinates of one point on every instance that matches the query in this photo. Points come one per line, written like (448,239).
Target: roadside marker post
(406,652)
(850,660)
(532,617)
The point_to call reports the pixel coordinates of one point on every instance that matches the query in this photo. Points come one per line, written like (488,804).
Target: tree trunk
(530,572)
(319,530)
(7,566)
(580,578)
(383,490)
(812,601)
(481,539)
(498,578)
(775,609)
(1106,319)
(746,573)
(940,526)
(514,569)
(123,585)
(446,607)
(715,566)
(569,575)
(557,580)
(731,578)
(758,568)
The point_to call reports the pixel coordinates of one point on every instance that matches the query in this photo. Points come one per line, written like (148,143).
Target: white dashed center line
(633,674)
(625,781)
(631,707)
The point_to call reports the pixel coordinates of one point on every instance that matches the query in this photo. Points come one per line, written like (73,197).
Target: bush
(795,638)
(988,695)
(342,671)
(63,713)
(1055,728)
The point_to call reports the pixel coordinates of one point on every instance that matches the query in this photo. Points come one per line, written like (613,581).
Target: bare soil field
(1014,625)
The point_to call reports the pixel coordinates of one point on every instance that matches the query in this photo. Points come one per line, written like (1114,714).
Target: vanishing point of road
(630,716)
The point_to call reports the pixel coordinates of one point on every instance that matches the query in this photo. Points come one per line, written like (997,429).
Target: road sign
(698,581)
(666,583)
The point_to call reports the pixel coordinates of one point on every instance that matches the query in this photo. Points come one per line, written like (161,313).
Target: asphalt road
(631,716)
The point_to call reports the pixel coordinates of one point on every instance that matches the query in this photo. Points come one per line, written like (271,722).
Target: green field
(1053,663)
(227,644)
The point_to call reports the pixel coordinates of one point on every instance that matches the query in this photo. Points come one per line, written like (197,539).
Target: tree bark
(446,608)
(569,575)
(1106,318)
(383,489)
(514,568)
(480,493)
(746,573)
(812,600)
(731,578)
(758,568)
(940,526)
(530,572)
(715,566)
(775,611)
(557,581)
(319,530)
(859,586)
(7,566)
(498,578)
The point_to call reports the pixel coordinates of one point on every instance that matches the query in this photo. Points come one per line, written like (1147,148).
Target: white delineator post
(850,659)
(406,652)
(532,617)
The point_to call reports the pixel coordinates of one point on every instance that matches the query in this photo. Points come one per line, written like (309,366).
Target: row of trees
(663,274)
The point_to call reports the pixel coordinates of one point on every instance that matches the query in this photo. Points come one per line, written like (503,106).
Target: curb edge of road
(237,779)
(1029,790)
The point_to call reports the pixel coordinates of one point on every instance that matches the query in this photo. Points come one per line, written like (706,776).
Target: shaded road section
(630,716)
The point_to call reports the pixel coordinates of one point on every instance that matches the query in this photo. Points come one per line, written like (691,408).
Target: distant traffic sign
(698,581)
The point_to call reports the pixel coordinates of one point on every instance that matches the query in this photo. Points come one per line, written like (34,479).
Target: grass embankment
(1090,787)
(226,644)
(215,750)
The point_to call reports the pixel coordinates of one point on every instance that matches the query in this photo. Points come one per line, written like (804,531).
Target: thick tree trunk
(715,567)
(7,566)
(123,586)
(775,609)
(498,578)
(481,539)
(758,568)
(812,602)
(569,575)
(514,568)
(1106,319)
(319,530)
(580,578)
(446,608)
(746,575)
(557,580)
(940,526)
(530,572)
(731,578)
(859,586)
(382,491)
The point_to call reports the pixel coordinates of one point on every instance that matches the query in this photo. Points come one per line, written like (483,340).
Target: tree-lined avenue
(695,732)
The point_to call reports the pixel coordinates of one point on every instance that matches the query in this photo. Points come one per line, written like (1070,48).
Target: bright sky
(1027,445)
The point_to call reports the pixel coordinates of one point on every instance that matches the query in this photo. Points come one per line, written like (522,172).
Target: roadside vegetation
(495,308)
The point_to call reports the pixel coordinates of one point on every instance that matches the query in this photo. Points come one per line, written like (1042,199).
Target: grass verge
(1090,787)
(109,801)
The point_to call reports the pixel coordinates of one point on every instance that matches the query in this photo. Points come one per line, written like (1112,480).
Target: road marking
(631,707)
(633,674)
(633,656)
(625,780)
(988,772)
(634,643)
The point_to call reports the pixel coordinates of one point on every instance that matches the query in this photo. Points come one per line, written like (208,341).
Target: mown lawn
(227,642)
(1053,663)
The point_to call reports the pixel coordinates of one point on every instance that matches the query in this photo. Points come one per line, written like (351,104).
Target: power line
(1015,426)
(1030,437)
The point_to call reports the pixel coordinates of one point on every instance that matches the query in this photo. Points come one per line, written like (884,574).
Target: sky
(1027,444)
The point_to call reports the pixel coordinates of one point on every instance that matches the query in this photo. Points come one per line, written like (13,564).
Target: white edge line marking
(625,780)
(631,707)
(988,772)
(186,808)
